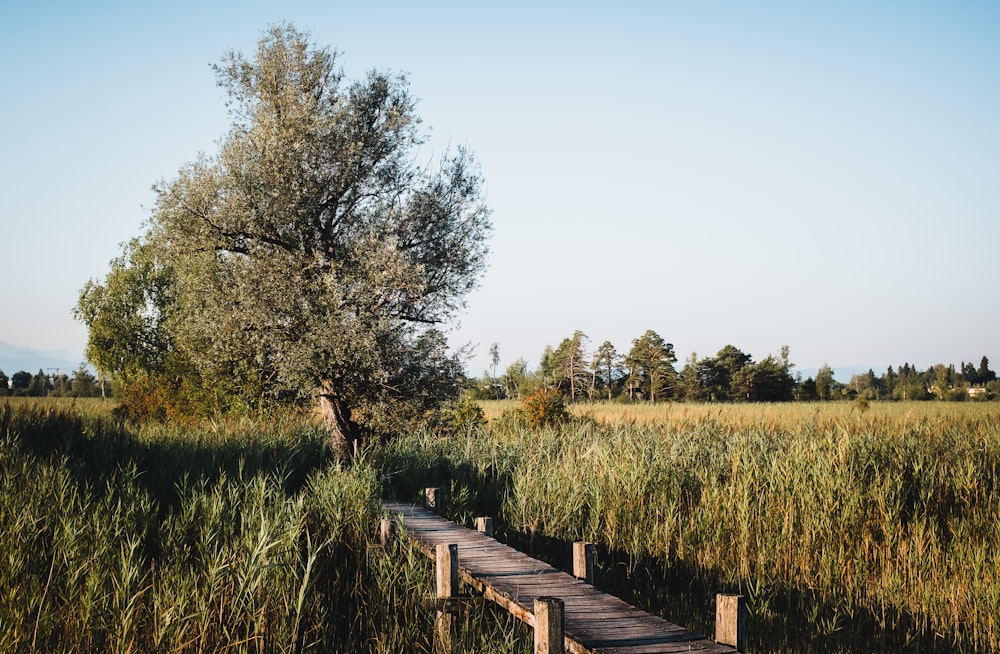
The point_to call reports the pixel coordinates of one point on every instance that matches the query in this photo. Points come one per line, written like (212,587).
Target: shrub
(466,414)
(545,408)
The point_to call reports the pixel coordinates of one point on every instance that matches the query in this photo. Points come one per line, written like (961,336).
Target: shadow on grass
(781,619)
(96,449)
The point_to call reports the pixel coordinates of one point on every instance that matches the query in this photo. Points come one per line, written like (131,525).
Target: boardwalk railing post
(446,572)
(432,499)
(549,625)
(484,525)
(386,531)
(731,621)
(583,561)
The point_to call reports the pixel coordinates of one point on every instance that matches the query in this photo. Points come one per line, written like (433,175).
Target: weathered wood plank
(595,622)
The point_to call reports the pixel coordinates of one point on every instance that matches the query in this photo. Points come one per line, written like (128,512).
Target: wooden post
(583,561)
(731,621)
(549,625)
(432,499)
(446,572)
(386,531)
(485,525)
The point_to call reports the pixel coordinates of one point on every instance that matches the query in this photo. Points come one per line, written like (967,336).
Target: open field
(848,530)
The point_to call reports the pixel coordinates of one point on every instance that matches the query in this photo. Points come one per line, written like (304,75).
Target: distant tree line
(24,384)
(647,372)
(937,382)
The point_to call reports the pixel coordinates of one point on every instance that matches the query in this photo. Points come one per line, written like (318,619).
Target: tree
(312,257)
(39,386)
(910,385)
(807,390)
(515,378)
(569,365)
(768,380)
(888,382)
(60,385)
(606,367)
(84,384)
(865,385)
(4,384)
(984,375)
(19,382)
(689,385)
(494,362)
(650,363)
(125,315)
(726,378)
(969,373)
(824,383)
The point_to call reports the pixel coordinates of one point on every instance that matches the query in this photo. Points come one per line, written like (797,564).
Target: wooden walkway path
(594,621)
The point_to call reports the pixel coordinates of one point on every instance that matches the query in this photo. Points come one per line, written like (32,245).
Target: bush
(545,408)
(466,414)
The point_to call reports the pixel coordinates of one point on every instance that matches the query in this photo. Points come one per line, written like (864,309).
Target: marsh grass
(848,530)
(236,536)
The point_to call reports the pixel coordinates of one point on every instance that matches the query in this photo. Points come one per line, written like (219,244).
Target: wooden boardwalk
(594,621)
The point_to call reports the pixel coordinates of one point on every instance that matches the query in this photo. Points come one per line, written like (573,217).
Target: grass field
(848,530)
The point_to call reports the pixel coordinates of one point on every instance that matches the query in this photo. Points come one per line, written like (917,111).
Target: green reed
(847,530)
(241,536)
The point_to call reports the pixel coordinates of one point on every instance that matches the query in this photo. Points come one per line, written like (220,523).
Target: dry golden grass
(887,514)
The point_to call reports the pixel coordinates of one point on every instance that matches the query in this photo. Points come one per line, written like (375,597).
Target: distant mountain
(14,358)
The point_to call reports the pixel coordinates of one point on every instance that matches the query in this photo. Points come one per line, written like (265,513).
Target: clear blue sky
(821,175)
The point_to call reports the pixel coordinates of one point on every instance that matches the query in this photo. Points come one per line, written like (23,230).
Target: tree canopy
(311,257)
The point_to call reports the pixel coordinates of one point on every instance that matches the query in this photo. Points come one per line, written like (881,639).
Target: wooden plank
(595,622)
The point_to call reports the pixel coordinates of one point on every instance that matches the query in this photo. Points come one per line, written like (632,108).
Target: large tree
(313,255)
(570,365)
(606,367)
(650,363)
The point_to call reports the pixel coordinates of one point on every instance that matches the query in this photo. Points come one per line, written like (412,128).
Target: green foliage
(466,414)
(312,256)
(846,531)
(241,536)
(650,362)
(606,366)
(568,366)
(125,315)
(38,386)
(545,408)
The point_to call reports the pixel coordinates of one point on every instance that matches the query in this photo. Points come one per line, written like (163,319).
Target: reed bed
(848,529)
(234,536)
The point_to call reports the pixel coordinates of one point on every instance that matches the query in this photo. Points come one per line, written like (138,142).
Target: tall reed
(241,536)
(847,529)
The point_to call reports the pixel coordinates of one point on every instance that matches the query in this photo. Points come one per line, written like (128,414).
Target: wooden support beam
(446,573)
(731,621)
(583,561)
(549,628)
(446,570)
(433,499)
(484,525)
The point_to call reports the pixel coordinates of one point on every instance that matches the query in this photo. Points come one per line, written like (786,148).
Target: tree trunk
(344,432)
